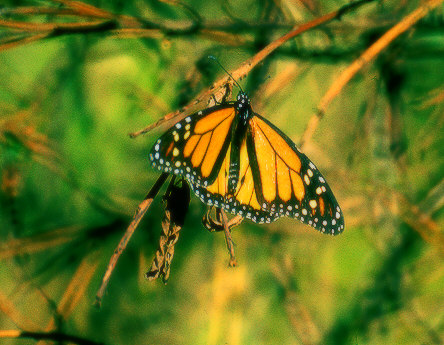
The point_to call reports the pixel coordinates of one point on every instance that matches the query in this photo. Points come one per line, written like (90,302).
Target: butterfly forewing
(196,146)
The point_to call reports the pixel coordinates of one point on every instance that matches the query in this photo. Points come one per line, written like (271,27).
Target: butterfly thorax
(243,108)
(239,130)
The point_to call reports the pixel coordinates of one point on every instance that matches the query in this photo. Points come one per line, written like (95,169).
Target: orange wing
(244,201)
(287,182)
(275,178)
(196,146)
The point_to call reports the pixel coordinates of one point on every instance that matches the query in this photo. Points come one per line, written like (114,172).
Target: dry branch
(422,222)
(140,212)
(218,88)
(366,57)
(76,289)
(54,336)
(38,242)
(8,309)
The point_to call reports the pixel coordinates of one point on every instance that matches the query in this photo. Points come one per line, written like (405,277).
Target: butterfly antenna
(220,65)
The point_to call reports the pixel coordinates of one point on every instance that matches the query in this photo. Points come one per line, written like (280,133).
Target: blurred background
(71,177)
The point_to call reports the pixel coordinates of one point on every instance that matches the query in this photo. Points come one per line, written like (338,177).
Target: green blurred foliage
(72,179)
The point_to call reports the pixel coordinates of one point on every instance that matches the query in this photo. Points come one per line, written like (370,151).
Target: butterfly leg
(212,224)
(228,239)
(227,93)
(225,98)
(213,101)
(223,224)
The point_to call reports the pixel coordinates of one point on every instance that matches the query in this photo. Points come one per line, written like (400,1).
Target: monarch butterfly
(235,159)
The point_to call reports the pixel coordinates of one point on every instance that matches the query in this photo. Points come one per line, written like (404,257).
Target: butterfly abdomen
(239,131)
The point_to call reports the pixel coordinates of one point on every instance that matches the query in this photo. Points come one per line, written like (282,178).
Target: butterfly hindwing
(243,201)
(195,147)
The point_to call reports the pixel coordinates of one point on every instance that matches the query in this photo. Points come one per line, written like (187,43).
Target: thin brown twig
(217,90)
(231,39)
(60,27)
(418,216)
(8,309)
(105,22)
(136,33)
(38,10)
(76,288)
(140,212)
(55,336)
(22,40)
(423,223)
(38,242)
(299,316)
(366,57)
(189,10)
(85,9)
